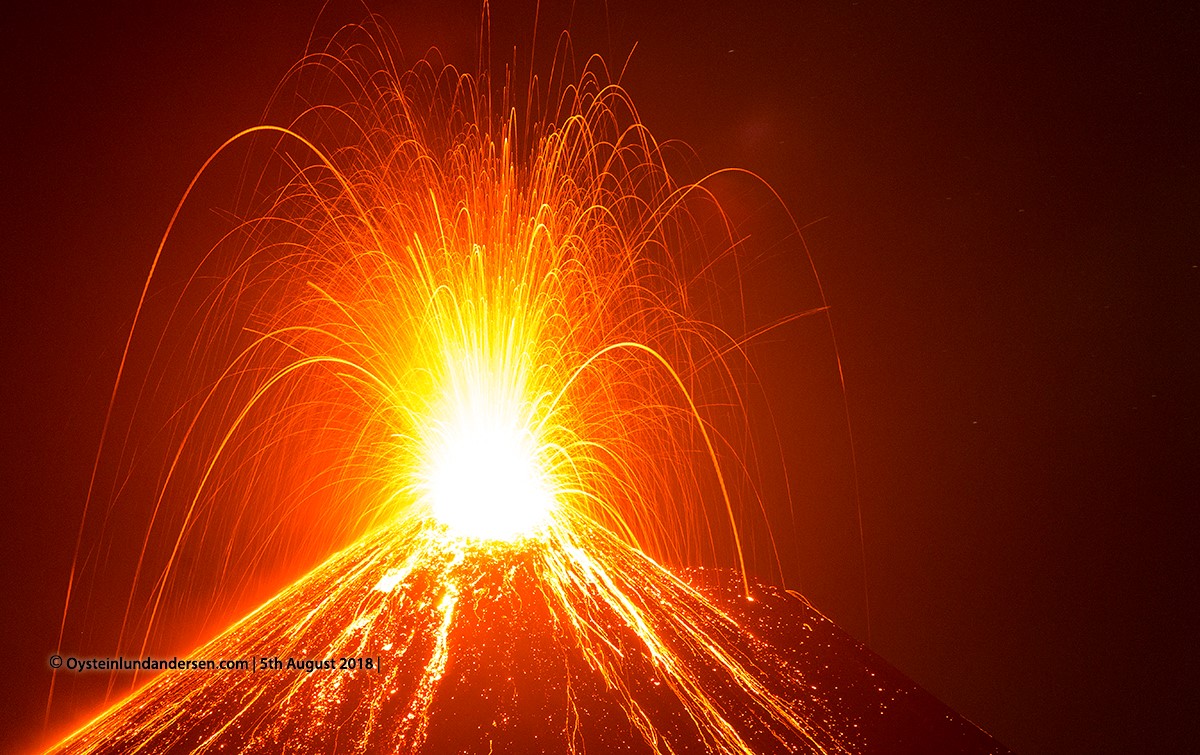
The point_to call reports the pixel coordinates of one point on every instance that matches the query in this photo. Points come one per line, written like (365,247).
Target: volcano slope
(410,642)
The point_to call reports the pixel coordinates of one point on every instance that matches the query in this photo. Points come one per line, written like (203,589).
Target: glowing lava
(484,477)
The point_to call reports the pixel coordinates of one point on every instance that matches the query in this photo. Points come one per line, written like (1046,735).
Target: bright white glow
(484,480)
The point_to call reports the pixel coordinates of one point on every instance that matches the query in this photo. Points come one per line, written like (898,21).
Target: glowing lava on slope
(531,647)
(464,344)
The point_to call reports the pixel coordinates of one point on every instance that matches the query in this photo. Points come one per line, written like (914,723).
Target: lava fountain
(451,355)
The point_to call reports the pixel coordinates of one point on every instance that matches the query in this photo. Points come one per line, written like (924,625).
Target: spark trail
(464,344)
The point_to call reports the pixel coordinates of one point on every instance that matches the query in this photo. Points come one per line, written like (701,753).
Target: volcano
(407,642)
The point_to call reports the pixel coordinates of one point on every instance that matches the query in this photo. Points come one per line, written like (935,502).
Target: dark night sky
(1003,206)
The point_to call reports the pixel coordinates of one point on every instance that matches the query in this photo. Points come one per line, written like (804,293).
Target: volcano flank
(453,647)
